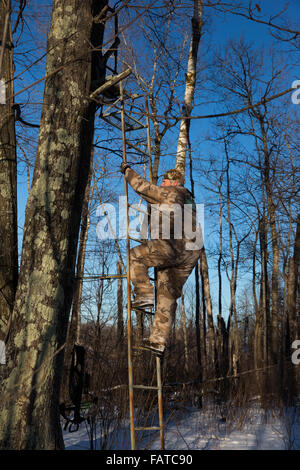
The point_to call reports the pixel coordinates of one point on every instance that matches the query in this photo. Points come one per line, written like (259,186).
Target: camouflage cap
(174,175)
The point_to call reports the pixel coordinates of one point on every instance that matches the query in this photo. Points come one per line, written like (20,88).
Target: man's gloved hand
(124,166)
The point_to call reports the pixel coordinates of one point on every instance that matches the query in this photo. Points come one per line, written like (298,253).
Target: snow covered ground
(192,429)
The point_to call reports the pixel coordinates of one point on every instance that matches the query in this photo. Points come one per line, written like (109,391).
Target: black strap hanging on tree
(76,380)
(76,384)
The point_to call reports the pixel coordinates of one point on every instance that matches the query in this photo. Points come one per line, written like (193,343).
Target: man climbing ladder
(173,252)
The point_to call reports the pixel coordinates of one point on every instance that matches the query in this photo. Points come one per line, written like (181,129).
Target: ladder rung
(112,105)
(146,387)
(136,240)
(148,428)
(138,209)
(109,276)
(136,121)
(142,348)
(132,96)
(129,127)
(125,122)
(111,81)
(135,147)
(147,312)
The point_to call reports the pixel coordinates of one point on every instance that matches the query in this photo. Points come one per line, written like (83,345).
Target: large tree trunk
(190,82)
(8,178)
(29,413)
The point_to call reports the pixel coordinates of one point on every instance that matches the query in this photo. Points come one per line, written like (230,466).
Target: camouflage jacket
(172,209)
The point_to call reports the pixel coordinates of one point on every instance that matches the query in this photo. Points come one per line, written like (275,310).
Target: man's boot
(142,303)
(156,348)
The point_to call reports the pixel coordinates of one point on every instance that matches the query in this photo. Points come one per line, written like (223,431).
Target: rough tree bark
(29,413)
(8,178)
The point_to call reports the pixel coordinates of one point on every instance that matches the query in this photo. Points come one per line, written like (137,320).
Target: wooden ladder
(131,384)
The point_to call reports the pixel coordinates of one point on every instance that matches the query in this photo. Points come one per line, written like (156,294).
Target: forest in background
(220,84)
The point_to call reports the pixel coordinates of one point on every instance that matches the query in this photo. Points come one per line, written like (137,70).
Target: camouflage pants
(173,268)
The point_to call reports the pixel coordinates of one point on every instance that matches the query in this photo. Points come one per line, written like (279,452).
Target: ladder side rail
(129,326)
(158,359)
(131,386)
